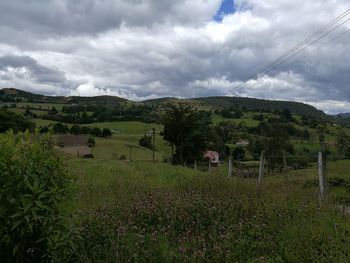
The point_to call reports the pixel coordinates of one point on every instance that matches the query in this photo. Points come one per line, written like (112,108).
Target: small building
(242,142)
(213,156)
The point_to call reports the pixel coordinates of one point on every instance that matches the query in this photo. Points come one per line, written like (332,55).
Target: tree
(96,131)
(10,120)
(60,128)
(75,129)
(186,129)
(53,111)
(91,142)
(238,153)
(106,132)
(305,134)
(287,115)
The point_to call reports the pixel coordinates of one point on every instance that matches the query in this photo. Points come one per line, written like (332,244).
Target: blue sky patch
(227,7)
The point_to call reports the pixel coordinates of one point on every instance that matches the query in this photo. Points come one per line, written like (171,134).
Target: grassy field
(143,212)
(129,127)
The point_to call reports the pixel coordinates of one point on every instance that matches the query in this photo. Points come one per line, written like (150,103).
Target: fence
(271,164)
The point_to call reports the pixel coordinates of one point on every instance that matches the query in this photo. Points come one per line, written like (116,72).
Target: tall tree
(186,129)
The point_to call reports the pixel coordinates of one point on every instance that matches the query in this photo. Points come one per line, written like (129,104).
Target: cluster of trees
(60,128)
(85,114)
(231,112)
(190,132)
(10,120)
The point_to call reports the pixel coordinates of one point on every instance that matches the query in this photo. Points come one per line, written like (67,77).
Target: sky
(143,49)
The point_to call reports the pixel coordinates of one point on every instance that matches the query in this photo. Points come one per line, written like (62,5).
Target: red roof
(211,154)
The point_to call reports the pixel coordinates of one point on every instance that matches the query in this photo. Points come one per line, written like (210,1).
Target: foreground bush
(33,185)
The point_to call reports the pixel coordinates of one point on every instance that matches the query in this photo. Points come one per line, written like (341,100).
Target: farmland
(156,212)
(123,207)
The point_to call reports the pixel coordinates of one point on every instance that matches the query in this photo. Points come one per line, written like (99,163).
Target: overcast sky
(140,49)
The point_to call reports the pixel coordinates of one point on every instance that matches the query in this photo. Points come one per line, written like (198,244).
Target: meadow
(123,207)
(145,212)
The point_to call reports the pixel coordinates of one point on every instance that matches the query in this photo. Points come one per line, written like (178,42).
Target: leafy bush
(10,120)
(33,186)
(91,142)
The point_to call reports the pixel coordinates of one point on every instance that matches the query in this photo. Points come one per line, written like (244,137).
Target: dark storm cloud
(15,69)
(39,72)
(152,48)
(61,17)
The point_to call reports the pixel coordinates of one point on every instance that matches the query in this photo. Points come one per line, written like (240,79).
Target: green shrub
(33,186)
(91,142)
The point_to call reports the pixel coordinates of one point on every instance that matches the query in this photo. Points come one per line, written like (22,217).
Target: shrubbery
(33,186)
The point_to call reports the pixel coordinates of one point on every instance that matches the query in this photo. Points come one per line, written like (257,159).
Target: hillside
(15,95)
(213,103)
(252,104)
(344,118)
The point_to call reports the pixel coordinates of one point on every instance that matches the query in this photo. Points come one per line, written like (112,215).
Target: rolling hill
(212,103)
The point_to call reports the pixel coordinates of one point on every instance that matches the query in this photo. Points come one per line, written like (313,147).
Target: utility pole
(229,173)
(261,169)
(322,175)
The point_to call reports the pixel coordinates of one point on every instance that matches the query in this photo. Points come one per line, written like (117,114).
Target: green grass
(144,212)
(115,147)
(216,119)
(129,127)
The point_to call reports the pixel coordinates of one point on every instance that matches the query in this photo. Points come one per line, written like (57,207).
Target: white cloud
(152,48)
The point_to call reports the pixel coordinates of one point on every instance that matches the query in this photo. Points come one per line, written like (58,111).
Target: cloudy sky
(140,49)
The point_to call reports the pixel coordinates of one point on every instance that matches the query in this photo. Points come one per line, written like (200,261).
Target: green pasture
(145,212)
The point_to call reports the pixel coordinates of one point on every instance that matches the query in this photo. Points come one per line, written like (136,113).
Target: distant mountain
(344,115)
(213,103)
(344,118)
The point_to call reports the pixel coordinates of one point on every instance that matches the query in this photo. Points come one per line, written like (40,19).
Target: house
(242,142)
(213,156)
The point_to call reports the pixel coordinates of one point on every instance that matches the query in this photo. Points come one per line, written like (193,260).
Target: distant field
(129,127)
(248,122)
(114,148)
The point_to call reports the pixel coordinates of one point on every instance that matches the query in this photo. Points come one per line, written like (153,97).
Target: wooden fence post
(261,169)
(209,166)
(322,175)
(229,173)
(195,165)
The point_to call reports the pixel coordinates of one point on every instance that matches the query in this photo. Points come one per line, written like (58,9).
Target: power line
(298,59)
(298,52)
(294,51)
(325,44)
(310,44)
(308,39)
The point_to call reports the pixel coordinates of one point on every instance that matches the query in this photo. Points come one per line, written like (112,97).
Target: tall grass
(143,212)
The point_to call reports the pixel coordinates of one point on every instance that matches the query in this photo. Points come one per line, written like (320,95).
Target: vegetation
(13,121)
(160,213)
(34,184)
(186,129)
(123,208)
